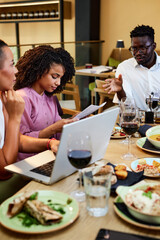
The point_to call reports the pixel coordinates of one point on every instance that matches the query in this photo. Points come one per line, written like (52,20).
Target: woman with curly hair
(43,71)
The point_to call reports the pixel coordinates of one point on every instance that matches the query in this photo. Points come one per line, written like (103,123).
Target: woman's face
(7,70)
(51,80)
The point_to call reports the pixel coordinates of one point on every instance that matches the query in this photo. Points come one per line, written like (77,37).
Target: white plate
(148,161)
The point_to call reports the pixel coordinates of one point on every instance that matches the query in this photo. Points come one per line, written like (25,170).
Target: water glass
(97,190)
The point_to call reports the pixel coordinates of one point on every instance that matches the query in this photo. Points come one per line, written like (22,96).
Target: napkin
(122,207)
(149,146)
(131,179)
(142,129)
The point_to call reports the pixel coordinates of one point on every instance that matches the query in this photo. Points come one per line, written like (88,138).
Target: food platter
(149,161)
(116,135)
(130,219)
(140,142)
(70,215)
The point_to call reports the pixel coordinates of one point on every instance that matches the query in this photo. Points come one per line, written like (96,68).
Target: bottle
(25,15)
(41,14)
(14,15)
(46,14)
(3,16)
(157,113)
(8,15)
(149,114)
(19,15)
(52,14)
(31,14)
(57,14)
(36,14)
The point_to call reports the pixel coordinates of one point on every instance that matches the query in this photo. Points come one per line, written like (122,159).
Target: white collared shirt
(139,81)
(2,126)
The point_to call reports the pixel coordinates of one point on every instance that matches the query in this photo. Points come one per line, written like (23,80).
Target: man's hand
(14,104)
(113,84)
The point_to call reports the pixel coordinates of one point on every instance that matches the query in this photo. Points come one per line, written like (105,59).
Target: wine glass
(79,155)
(124,103)
(130,124)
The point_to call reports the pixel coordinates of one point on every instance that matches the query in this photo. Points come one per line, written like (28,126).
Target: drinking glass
(79,155)
(125,101)
(130,124)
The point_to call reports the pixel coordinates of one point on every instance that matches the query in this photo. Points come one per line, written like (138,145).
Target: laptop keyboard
(45,169)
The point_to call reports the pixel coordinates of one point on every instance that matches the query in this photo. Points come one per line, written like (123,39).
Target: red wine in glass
(129,127)
(79,158)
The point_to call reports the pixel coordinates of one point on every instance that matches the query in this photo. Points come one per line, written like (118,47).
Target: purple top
(40,112)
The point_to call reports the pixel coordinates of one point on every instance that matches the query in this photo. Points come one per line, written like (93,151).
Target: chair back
(103,94)
(73,90)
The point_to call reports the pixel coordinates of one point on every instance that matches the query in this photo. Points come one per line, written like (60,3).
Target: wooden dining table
(86,227)
(110,74)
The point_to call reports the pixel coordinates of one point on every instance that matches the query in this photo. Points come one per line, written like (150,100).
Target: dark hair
(2,44)
(141,31)
(37,61)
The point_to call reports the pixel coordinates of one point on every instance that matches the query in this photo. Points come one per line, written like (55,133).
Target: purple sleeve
(26,125)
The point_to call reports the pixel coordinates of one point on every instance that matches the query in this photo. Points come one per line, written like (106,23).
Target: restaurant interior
(96,33)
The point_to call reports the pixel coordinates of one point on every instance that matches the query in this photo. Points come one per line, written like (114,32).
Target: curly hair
(38,61)
(141,31)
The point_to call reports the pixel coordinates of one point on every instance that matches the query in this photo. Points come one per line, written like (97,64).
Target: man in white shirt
(139,76)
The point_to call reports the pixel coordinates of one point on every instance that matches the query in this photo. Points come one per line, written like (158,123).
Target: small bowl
(122,191)
(153,131)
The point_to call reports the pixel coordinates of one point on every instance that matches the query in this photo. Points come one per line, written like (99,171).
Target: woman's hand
(58,126)
(53,145)
(14,104)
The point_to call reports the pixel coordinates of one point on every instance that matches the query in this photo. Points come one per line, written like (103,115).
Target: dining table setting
(117,197)
(78,223)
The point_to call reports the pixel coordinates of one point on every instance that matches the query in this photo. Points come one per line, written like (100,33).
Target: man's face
(143,50)
(7,70)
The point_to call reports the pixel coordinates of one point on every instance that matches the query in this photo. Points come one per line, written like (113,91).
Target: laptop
(99,127)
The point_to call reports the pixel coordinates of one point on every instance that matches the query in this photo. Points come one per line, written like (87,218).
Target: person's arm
(55,128)
(30,144)
(27,122)
(13,109)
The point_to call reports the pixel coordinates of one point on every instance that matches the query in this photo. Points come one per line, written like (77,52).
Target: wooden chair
(104,96)
(71,107)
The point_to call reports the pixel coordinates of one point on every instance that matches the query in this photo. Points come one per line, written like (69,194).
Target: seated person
(42,72)
(139,76)
(11,141)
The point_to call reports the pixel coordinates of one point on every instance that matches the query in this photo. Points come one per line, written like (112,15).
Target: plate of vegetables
(38,212)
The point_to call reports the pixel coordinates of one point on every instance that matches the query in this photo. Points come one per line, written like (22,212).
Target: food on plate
(150,170)
(155,137)
(120,167)
(145,200)
(142,161)
(121,174)
(118,134)
(156,164)
(102,170)
(16,206)
(32,211)
(43,213)
(113,179)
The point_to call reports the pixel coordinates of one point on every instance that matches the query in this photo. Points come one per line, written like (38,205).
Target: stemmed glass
(130,124)
(79,155)
(125,101)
